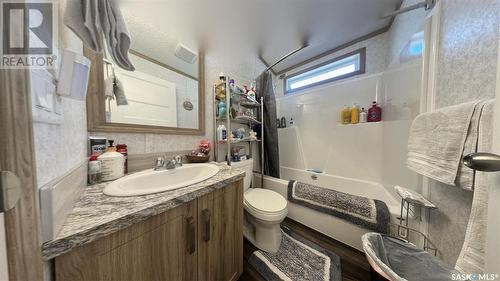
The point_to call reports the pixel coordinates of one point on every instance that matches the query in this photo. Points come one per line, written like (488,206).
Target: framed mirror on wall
(164,95)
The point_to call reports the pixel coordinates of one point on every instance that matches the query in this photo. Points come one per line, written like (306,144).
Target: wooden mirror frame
(96,108)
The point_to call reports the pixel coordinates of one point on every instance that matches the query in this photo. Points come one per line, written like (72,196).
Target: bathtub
(331,226)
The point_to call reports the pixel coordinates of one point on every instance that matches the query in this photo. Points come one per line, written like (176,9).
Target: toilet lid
(265,200)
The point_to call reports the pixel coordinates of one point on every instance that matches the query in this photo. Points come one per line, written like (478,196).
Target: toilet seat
(265,204)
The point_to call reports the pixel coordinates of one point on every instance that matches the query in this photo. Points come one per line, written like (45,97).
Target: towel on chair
(440,138)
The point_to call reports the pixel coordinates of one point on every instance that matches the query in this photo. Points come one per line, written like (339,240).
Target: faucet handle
(160,161)
(178,160)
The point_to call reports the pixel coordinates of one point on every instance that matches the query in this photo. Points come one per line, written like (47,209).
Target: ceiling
(243,28)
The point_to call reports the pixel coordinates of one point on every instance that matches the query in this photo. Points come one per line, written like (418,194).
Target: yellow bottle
(354,114)
(345,115)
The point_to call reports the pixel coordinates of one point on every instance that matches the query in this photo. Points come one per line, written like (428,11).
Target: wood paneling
(156,249)
(220,234)
(199,240)
(17,155)
(96,111)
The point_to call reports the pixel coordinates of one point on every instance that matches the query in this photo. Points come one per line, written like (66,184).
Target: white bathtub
(334,227)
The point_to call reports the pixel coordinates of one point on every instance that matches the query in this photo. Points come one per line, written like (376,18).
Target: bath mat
(368,213)
(297,259)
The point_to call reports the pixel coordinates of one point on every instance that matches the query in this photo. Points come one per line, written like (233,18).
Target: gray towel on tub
(368,213)
(440,138)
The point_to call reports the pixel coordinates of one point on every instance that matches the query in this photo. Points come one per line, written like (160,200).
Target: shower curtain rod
(285,57)
(427,4)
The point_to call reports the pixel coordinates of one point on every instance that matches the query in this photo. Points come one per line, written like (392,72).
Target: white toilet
(264,211)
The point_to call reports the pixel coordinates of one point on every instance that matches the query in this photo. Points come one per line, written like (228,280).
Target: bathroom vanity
(193,233)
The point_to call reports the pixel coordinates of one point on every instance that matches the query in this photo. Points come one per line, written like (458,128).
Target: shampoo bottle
(362,116)
(354,114)
(374,113)
(345,115)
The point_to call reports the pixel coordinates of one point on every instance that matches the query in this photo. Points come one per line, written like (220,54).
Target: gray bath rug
(297,260)
(368,213)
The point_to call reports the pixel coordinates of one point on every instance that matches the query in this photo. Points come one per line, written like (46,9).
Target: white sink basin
(151,181)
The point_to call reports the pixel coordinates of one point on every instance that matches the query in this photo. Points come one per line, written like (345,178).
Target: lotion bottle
(362,116)
(112,164)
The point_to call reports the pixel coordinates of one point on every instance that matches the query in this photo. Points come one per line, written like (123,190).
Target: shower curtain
(271,153)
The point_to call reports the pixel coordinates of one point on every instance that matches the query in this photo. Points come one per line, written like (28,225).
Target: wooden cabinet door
(160,248)
(220,234)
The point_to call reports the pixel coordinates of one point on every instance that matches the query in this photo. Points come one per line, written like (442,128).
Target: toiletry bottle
(291,122)
(94,172)
(346,115)
(283,122)
(362,116)
(223,132)
(112,163)
(122,148)
(97,145)
(374,113)
(219,133)
(111,147)
(354,114)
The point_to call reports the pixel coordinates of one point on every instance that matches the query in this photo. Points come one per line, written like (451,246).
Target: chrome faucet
(162,164)
(170,165)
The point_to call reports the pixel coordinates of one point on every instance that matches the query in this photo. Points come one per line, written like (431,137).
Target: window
(338,68)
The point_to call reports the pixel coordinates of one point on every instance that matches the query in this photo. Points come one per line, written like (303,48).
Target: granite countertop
(96,215)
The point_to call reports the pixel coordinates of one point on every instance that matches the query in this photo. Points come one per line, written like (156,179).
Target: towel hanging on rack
(93,20)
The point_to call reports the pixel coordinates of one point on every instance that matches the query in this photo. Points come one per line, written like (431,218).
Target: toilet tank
(247,166)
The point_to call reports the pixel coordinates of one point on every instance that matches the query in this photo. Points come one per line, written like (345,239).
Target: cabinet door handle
(191,235)
(205,216)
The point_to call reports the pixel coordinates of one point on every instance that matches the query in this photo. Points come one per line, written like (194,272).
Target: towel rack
(482,161)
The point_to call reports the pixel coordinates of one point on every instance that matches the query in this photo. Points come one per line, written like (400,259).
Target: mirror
(163,95)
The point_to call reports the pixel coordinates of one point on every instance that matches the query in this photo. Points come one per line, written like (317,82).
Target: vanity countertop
(96,215)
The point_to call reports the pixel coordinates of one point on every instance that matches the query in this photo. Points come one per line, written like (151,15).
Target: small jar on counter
(94,173)
(122,148)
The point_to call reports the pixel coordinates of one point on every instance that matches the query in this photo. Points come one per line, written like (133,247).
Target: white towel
(91,20)
(439,139)
(471,258)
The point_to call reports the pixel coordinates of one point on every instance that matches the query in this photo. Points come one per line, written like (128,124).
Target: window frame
(362,69)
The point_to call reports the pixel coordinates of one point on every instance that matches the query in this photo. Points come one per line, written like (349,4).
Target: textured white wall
(60,148)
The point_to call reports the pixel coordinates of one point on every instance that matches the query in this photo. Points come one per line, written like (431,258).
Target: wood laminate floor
(353,262)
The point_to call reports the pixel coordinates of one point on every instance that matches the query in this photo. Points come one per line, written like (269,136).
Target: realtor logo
(28,33)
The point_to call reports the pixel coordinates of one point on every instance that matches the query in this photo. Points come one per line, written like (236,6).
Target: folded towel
(471,258)
(91,20)
(439,139)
